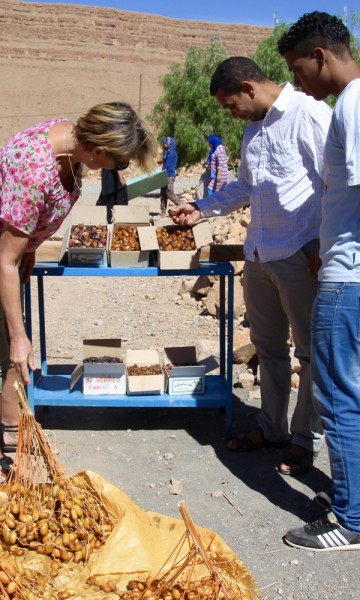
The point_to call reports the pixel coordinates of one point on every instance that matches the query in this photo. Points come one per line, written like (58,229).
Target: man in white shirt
(317,50)
(281,177)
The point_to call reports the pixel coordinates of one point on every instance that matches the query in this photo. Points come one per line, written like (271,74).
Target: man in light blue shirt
(281,176)
(317,50)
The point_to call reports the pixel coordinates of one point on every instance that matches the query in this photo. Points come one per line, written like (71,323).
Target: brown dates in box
(175,238)
(88,236)
(144,370)
(103,359)
(125,238)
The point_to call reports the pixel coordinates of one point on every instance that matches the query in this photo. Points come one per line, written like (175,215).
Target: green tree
(269,59)
(187,112)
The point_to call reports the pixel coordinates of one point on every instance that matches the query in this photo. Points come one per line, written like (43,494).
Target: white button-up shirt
(280,176)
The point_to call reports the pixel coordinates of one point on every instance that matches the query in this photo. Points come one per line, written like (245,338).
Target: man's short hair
(316,29)
(230,74)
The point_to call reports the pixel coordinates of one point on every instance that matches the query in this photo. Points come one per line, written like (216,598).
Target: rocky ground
(143,451)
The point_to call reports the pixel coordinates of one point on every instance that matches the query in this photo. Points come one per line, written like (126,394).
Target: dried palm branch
(182,580)
(44,508)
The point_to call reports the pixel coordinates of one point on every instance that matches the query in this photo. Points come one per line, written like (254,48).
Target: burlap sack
(141,544)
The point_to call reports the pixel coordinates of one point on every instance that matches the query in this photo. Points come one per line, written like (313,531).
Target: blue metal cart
(50,388)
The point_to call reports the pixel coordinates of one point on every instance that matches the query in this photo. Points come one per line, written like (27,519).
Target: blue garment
(215,141)
(336,388)
(170,157)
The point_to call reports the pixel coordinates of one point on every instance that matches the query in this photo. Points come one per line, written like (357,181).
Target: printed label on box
(88,258)
(185,385)
(94,386)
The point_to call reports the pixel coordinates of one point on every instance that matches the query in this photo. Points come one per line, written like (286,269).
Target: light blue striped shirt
(280,176)
(340,227)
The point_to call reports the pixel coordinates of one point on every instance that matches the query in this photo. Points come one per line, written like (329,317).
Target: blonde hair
(116,127)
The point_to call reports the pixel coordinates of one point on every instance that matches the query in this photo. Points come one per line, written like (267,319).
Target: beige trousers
(278,294)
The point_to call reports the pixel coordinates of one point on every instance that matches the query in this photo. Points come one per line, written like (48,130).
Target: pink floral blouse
(32,197)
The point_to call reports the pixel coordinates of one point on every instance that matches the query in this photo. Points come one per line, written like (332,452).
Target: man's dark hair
(230,74)
(316,29)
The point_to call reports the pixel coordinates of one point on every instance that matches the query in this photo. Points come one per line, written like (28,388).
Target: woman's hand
(185,214)
(22,357)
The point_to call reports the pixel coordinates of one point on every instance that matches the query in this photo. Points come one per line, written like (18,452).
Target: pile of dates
(175,238)
(125,238)
(88,236)
(103,359)
(17,580)
(169,366)
(144,370)
(64,524)
(153,589)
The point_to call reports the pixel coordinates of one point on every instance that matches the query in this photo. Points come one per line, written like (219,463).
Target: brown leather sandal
(12,429)
(5,467)
(296,464)
(246,444)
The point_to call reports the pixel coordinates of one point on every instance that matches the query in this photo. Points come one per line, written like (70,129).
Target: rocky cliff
(58,60)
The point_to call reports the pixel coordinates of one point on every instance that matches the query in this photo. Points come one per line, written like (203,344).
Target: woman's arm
(12,246)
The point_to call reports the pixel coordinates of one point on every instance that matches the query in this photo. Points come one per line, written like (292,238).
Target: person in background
(281,177)
(217,159)
(170,159)
(40,181)
(317,51)
(113,190)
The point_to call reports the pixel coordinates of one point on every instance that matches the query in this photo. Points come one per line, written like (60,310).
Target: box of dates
(183,374)
(179,246)
(102,368)
(86,241)
(144,374)
(125,248)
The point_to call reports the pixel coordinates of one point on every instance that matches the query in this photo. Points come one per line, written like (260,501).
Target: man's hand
(185,214)
(314,263)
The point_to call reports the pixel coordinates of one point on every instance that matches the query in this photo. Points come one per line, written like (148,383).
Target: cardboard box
(186,376)
(101,378)
(180,259)
(85,257)
(137,216)
(139,186)
(138,385)
(48,251)
(221,253)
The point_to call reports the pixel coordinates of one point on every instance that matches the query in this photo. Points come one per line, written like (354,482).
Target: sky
(256,12)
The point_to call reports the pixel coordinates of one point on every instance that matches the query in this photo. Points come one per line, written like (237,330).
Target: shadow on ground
(257,469)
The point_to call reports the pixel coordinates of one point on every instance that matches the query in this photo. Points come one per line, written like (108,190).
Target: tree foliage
(187,112)
(269,59)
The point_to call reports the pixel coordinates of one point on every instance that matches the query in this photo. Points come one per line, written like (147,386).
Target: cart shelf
(50,385)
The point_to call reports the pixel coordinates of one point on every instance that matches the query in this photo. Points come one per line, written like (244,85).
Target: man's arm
(234,196)
(315,127)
